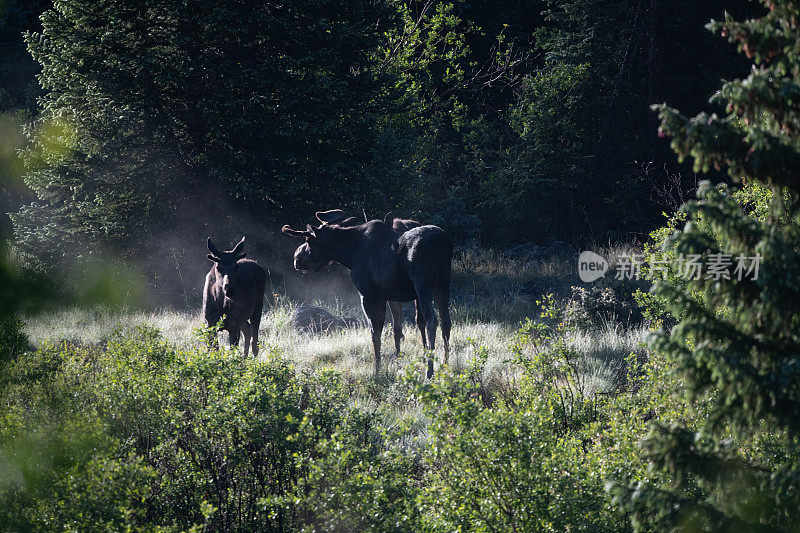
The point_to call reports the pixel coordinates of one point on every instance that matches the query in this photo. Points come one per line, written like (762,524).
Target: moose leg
(375,310)
(425,308)
(233,336)
(255,324)
(255,321)
(441,293)
(420,319)
(397,322)
(247,336)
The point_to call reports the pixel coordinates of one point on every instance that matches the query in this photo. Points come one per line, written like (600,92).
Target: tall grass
(491,297)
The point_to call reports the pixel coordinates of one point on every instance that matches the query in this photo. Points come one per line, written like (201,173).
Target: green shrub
(528,460)
(504,468)
(51,442)
(661,259)
(451,215)
(136,434)
(139,434)
(540,459)
(364,478)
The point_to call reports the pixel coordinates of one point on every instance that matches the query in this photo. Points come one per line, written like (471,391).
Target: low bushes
(136,434)
(534,457)
(142,435)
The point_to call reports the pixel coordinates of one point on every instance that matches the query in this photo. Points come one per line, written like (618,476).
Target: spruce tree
(737,342)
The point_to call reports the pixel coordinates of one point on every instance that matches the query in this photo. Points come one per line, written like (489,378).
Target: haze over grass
(489,305)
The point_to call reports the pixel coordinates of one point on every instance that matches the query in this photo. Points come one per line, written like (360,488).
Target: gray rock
(317,320)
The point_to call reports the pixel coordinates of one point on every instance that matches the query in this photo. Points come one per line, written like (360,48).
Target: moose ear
(389,218)
(331,217)
(212,258)
(294,232)
(211,247)
(238,248)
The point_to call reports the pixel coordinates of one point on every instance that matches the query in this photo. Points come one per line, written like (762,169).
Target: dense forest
(659,136)
(504,123)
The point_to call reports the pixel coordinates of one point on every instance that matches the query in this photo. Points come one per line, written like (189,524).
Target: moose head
(226,265)
(323,244)
(311,255)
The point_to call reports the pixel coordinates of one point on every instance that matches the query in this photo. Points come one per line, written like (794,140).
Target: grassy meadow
(491,298)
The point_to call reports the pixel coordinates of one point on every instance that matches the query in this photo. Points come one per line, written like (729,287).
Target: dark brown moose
(340,218)
(385,266)
(234,289)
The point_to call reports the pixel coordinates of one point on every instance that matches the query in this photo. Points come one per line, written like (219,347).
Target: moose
(340,218)
(234,290)
(385,266)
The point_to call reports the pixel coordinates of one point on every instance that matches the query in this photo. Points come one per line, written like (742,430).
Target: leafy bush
(661,261)
(504,468)
(51,443)
(535,458)
(451,215)
(136,434)
(540,459)
(143,434)
(363,479)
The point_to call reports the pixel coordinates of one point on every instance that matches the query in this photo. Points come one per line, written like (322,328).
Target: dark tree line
(527,119)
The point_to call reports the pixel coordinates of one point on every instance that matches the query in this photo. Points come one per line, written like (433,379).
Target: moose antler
(238,248)
(331,217)
(309,232)
(212,248)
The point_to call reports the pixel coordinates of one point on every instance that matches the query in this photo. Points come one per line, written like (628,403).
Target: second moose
(385,266)
(234,291)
